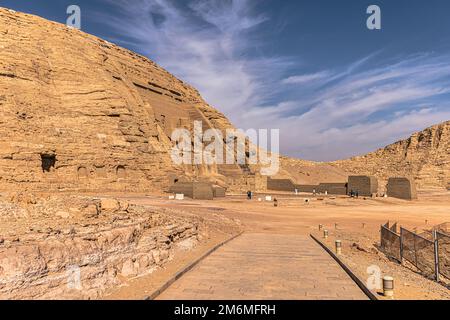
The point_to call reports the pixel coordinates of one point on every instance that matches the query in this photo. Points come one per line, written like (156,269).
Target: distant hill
(425,156)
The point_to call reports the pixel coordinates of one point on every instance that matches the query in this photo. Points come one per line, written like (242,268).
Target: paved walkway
(266,266)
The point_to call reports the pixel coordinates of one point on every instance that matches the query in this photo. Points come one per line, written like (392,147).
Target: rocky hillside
(424,156)
(80,113)
(309,172)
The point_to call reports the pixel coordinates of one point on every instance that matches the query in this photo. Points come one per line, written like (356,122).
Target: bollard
(325,234)
(388,287)
(320,227)
(338,247)
(363,225)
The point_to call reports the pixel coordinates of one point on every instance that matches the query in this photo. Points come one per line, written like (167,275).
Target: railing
(430,256)
(391,242)
(443,256)
(419,251)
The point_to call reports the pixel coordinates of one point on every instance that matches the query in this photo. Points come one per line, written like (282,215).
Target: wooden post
(415,249)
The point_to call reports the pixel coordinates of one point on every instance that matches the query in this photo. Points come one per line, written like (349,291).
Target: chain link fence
(443,241)
(428,252)
(390,242)
(419,251)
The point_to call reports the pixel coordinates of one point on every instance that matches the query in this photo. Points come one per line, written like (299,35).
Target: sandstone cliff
(425,156)
(79,113)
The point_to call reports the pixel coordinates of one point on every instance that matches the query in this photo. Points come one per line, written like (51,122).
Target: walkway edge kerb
(358,281)
(188,268)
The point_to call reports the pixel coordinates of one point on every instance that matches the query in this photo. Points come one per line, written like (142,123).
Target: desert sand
(360,242)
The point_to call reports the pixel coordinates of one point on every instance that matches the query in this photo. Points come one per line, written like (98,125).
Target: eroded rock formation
(54,247)
(425,157)
(79,113)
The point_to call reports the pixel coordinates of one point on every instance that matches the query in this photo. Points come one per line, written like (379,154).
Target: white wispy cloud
(213,45)
(205,43)
(363,110)
(306,78)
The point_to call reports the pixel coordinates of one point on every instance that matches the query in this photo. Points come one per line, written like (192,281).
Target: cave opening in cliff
(48,161)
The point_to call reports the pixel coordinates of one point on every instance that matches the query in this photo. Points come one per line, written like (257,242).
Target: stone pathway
(266,266)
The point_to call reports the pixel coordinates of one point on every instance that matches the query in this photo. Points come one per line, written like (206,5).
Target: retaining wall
(402,188)
(280,185)
(364,185)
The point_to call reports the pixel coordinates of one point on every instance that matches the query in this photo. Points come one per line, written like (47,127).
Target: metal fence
(443,241)
(419,251)
(390,242)
(430,256)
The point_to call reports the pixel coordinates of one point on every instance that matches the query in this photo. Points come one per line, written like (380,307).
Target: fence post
(401,245)
(436,254)
(415,249)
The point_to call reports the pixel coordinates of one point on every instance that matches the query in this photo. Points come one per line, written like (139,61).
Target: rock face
(78,247)
(79,113)
(425,156)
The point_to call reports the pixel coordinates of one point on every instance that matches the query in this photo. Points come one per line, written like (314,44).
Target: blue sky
(309,68)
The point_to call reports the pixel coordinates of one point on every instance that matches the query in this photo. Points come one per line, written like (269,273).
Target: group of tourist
(354,194)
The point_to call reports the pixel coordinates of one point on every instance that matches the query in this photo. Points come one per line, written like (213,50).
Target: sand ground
(354,221)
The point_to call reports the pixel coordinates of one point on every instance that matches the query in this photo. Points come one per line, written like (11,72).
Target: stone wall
(280,185)
(330,188)
(306,188)
(185,188)
(203,191)
(364,185)
(219,192)
(333,188)
(402,188)
(197,190)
